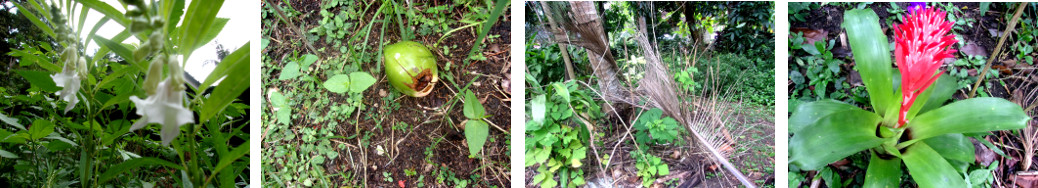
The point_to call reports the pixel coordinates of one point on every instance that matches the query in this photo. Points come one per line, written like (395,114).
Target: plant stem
(998,48)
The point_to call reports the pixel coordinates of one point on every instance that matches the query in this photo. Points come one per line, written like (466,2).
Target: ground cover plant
(908,129)
(75,118)
(648,94)
(386,93)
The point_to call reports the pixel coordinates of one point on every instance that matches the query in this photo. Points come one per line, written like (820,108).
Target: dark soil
(430,117)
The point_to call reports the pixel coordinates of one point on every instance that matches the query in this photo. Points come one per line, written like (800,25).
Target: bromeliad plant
(906,124)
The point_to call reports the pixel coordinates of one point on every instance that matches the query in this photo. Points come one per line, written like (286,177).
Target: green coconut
(411,68)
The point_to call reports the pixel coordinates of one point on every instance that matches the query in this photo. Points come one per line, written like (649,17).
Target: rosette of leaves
(930,143)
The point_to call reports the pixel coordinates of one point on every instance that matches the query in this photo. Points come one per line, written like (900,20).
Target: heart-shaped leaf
(360,81)
(338,83)
(476,132)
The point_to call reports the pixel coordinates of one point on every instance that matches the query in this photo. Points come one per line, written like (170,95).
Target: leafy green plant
(922,133)
(649,167)
(798,10)
(91,143)
(684,78)
(553,141)
(476,130)
(661,129)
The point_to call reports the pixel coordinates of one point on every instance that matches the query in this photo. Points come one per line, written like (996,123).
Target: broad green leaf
(472,108)
(808,114)
(883,173)
(538,108)
(307,60)
(11,121)
(40,80)
(284,113)
(222,68)
(966,116)
(872,56)
(940,92)
(128,165)
(360,81)
(118,48)
(40,128)
(197,24)
(6,154)
(953,146)
(561,91)
(338,83)
(237,81)
(290,71)
(476,132)
(832,138)
(35,20)
(929,169)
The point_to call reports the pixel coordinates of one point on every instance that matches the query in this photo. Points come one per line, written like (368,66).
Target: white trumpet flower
(69,80)
(165,107)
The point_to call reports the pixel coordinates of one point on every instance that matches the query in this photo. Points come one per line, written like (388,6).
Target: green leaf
(107,10)
(360,81)
(235,154)
(473,109)
(561,91)
(40,80)
(35,21)
(928,169)
(308,59)
(11,121)
(966,116)
(940,92)
(198,23)
(883,173)
(40,128)
(237,81)
(476,132)
(118,49)
(872,56)
(538,108)
(290,71)
(808,114)
(832,138)
(221,70)
(338,83)
(6,154)
(131,164)
(952,147)
(284,113)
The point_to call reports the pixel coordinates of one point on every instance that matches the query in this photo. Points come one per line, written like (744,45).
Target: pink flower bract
(923,41)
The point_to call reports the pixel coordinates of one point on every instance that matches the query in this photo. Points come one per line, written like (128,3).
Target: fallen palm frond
(705,124)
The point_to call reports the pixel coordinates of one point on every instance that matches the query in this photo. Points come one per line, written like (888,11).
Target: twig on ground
(998,48)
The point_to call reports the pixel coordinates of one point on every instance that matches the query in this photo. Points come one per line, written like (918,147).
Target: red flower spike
(923,41)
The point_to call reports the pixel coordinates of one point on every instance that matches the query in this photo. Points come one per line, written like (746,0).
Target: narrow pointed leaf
(872,56)
(966,116)
(237,81)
